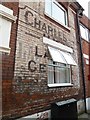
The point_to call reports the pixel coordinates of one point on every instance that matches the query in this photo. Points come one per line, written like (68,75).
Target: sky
(86,5)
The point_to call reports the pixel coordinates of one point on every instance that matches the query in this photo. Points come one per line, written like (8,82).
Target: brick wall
(28,92)
(85,21)
(8,62)
(85,45)
(30,88)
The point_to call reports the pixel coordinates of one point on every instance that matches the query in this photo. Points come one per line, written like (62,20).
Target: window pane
(87,34)
(58,13)
(58,73)
(48,5)
(5,30)
(60,76)
(50,73)
(62,73)
(82,29)
(68,73)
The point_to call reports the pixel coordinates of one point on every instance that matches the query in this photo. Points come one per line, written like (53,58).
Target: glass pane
(82,29)
(58,13)
(50,73)
(68,75)
(87,34)
(56,55)
(48,7)
(58,73)
(62,74)
(5,29)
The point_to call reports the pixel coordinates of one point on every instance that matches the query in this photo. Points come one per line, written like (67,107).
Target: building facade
(85,37)
(44,62)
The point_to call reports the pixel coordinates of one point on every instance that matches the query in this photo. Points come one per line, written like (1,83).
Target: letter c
(27,16)
(32,65)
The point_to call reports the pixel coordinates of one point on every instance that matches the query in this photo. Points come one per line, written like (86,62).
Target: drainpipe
(79,14)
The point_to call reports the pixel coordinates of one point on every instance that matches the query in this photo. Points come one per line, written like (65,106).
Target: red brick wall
(85,21)
(21,104)
(85,45)
(8,61)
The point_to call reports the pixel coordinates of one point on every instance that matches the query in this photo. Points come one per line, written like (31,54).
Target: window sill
(4,49)
(64,26)
(60,85)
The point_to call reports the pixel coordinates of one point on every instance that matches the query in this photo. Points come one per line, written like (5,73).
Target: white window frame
(61,8)
(55,84)
(6,15)
(63,48)
(87,33)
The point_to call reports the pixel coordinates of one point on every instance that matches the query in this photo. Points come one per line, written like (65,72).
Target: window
(59,64)
(5,32)
(59,67)
(56,11)
(58,73)
(84,32)
(6,18)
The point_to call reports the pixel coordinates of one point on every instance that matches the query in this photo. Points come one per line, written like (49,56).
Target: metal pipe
(82,60)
